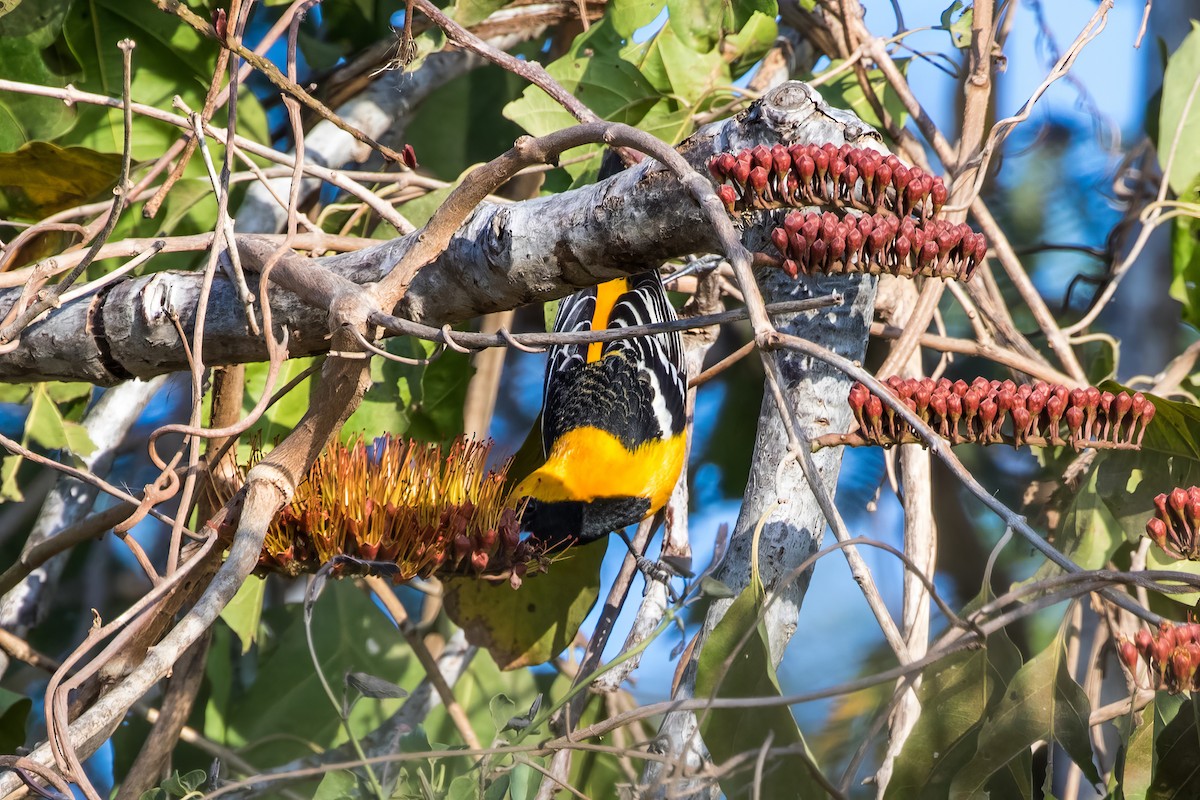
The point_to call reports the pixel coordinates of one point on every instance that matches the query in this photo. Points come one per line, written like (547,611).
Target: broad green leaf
(32,51)
(63,392)
(955,694)
(753,40)
(424,402)
(1181,94)
(218,676)
(736,663)
(1134,770)
(41,178)
(170,59)
(535,622)
(1185,258)
(244,611)
(278,420)
(960,28)
(1091,534)
(183,784)
(1157,559)
(14,710)
(844,91)
(464,787)
(349,633)
(468,12)
(611,87)
(502,709)
(698,23)
(676,69)
(339,785)
(1177,753)
(1042,702)
(45,426)
(629,16)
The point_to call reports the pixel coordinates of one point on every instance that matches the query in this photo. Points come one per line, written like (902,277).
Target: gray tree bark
(777,488)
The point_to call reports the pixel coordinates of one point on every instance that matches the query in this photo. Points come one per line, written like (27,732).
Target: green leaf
(502,709)
(339,785)
(535,622)
(610,86)
(1180,95)
(736,663)
(844,91)
(955,693)
(1185,259)
(14,711)
(629,16)
(1042,702)
(698,23)
(959,29)
(1175,430)
(753,40)
(468,12)
(180,785)
(464,787)
(349,633)
(1157,559)
(9,490)
(1134,770)
(170,59)
(278,420)
(424,402)
(244,611)
(1177,753)
(32,51)
(45,426)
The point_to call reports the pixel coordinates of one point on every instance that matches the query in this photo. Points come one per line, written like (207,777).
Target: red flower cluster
(1171,656)
(1037,414)
(825,175)
(876,243)
(1176,526)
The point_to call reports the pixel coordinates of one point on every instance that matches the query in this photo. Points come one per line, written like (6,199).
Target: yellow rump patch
(588,463)
(607,295)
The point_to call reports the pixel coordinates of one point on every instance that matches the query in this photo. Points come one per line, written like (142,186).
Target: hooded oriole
(612,417)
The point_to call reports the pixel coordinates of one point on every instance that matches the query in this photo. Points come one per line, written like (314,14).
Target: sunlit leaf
(959,28)
(844,91)
(1134,770)
(1178,133)
(45,426)
(244,611)
(31,52)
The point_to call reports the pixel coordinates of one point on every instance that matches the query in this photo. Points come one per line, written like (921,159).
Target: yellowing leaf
(41,178)
(534,623)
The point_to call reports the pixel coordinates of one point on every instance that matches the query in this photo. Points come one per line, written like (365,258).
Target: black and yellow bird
(612,417)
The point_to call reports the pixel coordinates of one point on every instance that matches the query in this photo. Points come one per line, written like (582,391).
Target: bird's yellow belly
(588,463)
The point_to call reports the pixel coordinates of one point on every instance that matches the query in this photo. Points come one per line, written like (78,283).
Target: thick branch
(501,258)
